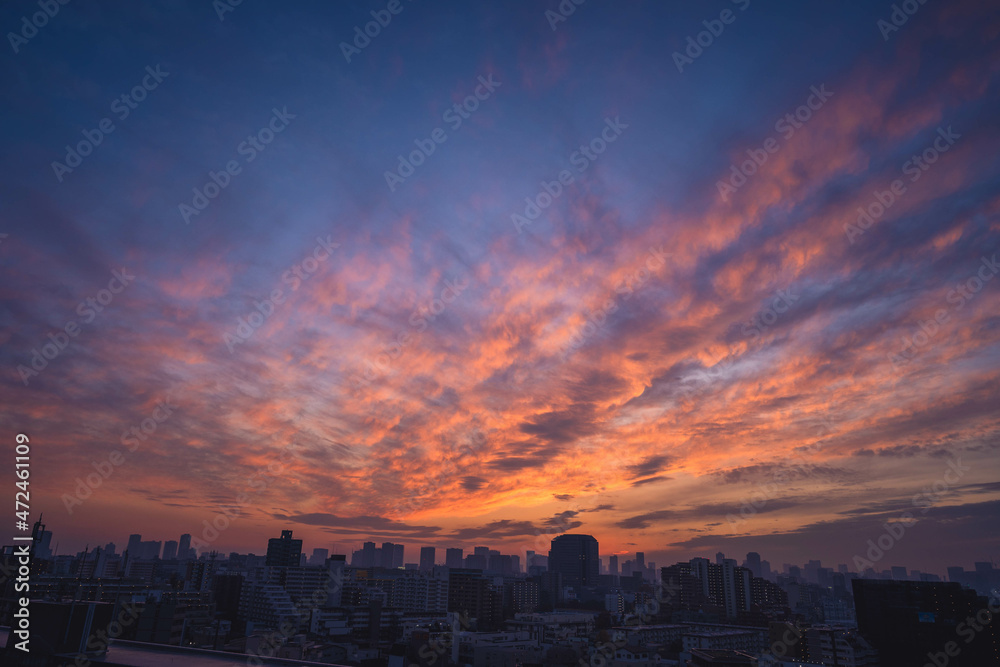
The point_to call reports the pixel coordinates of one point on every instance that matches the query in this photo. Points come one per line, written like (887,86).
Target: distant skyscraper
(319,556)
(184,547)
(481,551)
(575,558)
(387,552)
(134,541)
(283,551)
(453,558)
(170,550)
(398,555)
(640,560)
(368,555)
(753,563)
(149,549)
(109,548)
(612,564)
(476,562)
(426,559)
(43,549)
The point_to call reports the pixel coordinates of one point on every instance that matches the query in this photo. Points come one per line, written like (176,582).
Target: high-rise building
(283,551)
(149,549)
(335,565)
(387,552)
(640,560)
(723,583)
(184,547)
(481,551)
(170,550)
(426,559)
(319,556)
(575,557)
(368,555)
(914,623)
(752,563)
(453,557)
(133,547)
(471,593)
(43,548)
(827,645)
(612,564)
(476,562)
(398,555)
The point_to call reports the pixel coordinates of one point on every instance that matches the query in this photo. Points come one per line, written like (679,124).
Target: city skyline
(688,278)
(414,553)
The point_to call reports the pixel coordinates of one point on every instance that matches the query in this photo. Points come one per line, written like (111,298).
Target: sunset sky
(434,380)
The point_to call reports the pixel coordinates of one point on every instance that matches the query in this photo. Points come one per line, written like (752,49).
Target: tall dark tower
(283,551)
(576,558)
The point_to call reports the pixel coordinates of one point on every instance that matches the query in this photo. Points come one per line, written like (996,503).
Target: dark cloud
(360,524)
(781,471)
(649,466)
(641,521)
(472,483)
(650,480)
(941,535)
(562,426)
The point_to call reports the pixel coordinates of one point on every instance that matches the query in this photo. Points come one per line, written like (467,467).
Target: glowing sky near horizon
(490,412)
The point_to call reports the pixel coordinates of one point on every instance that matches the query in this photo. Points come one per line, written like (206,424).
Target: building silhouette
(921,622)
(576,558)
(283,551)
